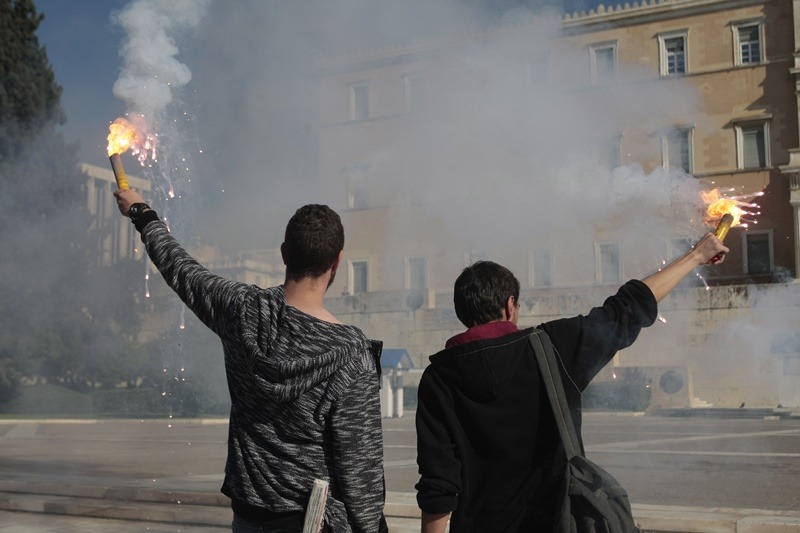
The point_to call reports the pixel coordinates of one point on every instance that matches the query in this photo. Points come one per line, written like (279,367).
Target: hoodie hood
(302,351)
(482,368)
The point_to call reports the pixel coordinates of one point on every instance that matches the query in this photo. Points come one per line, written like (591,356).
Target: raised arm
(709,250)
(207,295)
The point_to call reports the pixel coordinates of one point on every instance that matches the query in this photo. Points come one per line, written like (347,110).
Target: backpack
(591,500)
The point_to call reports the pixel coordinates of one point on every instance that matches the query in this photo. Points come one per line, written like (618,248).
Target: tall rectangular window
(673,53)
(604,62)
(540,268)
(747,38)
(758,252)
(414,92)
(609,266)
(359,102)
(416,273)
(356,178)
(753,145)
(359,276)
(677,148)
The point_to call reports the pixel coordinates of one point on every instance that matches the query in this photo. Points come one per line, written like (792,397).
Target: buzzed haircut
(314,237)
(481,292)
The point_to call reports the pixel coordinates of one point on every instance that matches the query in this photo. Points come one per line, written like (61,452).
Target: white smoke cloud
(151,70)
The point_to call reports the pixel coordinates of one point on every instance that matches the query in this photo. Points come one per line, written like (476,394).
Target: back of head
(481,292)
(314,237)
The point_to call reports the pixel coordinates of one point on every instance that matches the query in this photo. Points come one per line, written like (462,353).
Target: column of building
(792,170)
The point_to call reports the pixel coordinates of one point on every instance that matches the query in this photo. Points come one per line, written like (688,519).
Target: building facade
(438,152)
(117,238)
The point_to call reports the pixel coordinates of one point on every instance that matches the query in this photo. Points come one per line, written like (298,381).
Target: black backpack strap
(548,368)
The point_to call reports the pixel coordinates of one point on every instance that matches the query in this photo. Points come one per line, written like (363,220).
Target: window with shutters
(673,55)
(748,39)
(752,145)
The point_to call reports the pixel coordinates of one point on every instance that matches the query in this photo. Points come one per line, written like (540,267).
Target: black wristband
(144,219)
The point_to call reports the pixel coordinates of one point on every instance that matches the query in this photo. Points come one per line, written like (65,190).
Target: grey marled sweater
(304,395)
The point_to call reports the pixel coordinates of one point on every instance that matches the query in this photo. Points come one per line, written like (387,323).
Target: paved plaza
(164,475)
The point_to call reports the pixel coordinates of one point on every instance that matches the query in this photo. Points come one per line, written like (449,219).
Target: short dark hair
(314,237)
(481,292)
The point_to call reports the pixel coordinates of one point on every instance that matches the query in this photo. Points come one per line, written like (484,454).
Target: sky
(83,48)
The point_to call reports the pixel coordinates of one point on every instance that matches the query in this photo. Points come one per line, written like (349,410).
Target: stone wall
(718,341)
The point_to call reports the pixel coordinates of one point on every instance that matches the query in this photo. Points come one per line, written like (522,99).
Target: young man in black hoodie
(487,444)
(304,387)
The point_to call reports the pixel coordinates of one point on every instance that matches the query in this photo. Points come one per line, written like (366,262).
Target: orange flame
(121,137)
(718,206)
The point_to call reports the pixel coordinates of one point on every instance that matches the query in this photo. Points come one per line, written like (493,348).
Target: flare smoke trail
(151,71)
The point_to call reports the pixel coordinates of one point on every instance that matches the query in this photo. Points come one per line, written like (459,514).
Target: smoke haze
(246,126)
(498,161)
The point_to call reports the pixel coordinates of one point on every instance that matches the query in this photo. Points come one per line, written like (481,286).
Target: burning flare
(121,138)
(726,212)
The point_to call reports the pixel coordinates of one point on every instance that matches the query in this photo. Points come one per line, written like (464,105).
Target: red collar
(490,330)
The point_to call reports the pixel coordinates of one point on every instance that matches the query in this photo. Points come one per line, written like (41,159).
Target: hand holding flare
(723,226)
(721,232)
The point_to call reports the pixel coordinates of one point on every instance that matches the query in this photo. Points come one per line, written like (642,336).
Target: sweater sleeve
(587,343)
(358,452)
(209,296)
(437,457)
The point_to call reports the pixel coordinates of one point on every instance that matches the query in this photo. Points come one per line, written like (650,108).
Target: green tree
(29,95)
(43,218)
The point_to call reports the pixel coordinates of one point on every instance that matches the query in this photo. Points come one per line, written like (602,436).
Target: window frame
(662,52)
(738,25)
(688,131)
(408,100)
(407,282)
(598,254)
(593,49)
(351,270)
(739,126)
(356,179)
(352,90)
(770,251)
(532,256)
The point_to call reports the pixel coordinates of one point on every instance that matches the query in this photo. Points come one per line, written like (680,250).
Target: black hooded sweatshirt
(487,444)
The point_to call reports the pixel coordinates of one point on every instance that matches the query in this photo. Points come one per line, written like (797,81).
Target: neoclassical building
(117,238)
(572,148)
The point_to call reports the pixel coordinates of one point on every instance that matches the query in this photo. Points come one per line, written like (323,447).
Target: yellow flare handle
(119,171)
(723,226)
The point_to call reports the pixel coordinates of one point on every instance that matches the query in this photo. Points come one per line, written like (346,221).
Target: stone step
(212,511)
(173,513)
(148,505)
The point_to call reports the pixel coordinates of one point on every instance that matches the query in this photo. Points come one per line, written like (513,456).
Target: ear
(335,265)
(283,252)
(508,308)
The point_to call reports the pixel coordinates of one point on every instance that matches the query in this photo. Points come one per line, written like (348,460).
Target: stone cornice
(611,16)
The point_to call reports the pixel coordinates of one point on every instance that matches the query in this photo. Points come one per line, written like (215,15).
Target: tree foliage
(29,94)
(43,217)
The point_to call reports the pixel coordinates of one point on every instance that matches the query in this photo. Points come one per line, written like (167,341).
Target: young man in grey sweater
(304,387)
